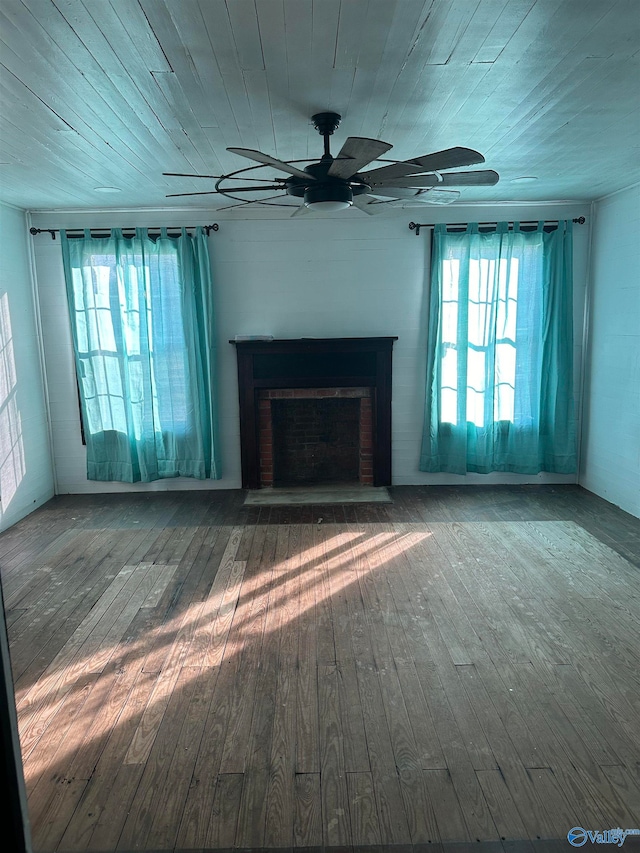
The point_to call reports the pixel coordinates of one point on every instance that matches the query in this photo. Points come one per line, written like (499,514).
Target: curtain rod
(416,226)
(106,232)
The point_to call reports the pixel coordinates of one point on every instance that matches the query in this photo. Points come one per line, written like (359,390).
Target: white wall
(611,440)
(310,276)
(26,475)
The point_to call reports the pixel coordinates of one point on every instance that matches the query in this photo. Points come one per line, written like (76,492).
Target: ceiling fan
(336,183)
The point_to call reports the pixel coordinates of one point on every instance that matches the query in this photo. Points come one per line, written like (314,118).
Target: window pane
(449,385)
(505,373)
(476,386)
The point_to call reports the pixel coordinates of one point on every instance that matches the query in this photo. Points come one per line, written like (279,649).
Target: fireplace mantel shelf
(295,343)
(314,363)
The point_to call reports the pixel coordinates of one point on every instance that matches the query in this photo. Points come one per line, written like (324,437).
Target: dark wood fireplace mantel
(315,363)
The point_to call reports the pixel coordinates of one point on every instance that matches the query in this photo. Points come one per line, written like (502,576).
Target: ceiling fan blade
(356,153)
(362,203)
(259,157)
(301,211)
(394,192)
(434,196)
(484,178)
(409,197)
(437,196)
(451,158)
(418,182)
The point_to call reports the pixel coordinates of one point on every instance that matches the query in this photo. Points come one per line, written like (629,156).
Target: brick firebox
(361,465)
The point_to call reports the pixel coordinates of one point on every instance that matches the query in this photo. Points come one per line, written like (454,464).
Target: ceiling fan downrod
(326,124)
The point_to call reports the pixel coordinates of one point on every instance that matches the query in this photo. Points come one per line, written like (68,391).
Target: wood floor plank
(195,819)
(336,828)
(325,643)
(356,753)
(429,751)
(365,827)
(448,812)
(307,727)
(279,819)
(394,827)
(503,810)
(249,622)
(225,811)
(307,818)
(254,737)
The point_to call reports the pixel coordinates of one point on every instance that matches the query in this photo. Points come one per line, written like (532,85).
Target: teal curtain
(500,352)
(142,321)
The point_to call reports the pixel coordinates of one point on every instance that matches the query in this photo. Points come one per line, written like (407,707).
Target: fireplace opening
(315,441)
(310,436)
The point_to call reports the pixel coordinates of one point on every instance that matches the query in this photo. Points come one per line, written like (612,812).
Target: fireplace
(315,411)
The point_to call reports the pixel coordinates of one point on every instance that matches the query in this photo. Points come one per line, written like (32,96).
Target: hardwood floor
(460,666)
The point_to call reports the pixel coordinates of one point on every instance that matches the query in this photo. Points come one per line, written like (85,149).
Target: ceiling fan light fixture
(328,198)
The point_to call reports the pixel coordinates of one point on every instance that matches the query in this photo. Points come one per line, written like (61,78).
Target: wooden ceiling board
(271,24)
(370,62)
(324,30)
(508,19)
(298,33)
(448,29)
(134,34)
(115,92)
(244,24)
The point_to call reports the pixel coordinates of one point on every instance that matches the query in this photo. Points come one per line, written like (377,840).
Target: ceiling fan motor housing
(323,188)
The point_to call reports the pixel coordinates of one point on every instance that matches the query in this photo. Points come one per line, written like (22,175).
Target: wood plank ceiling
(97,93)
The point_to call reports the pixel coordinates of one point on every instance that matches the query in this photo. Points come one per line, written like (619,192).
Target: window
(499,394)
(141,316)
(128,320)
